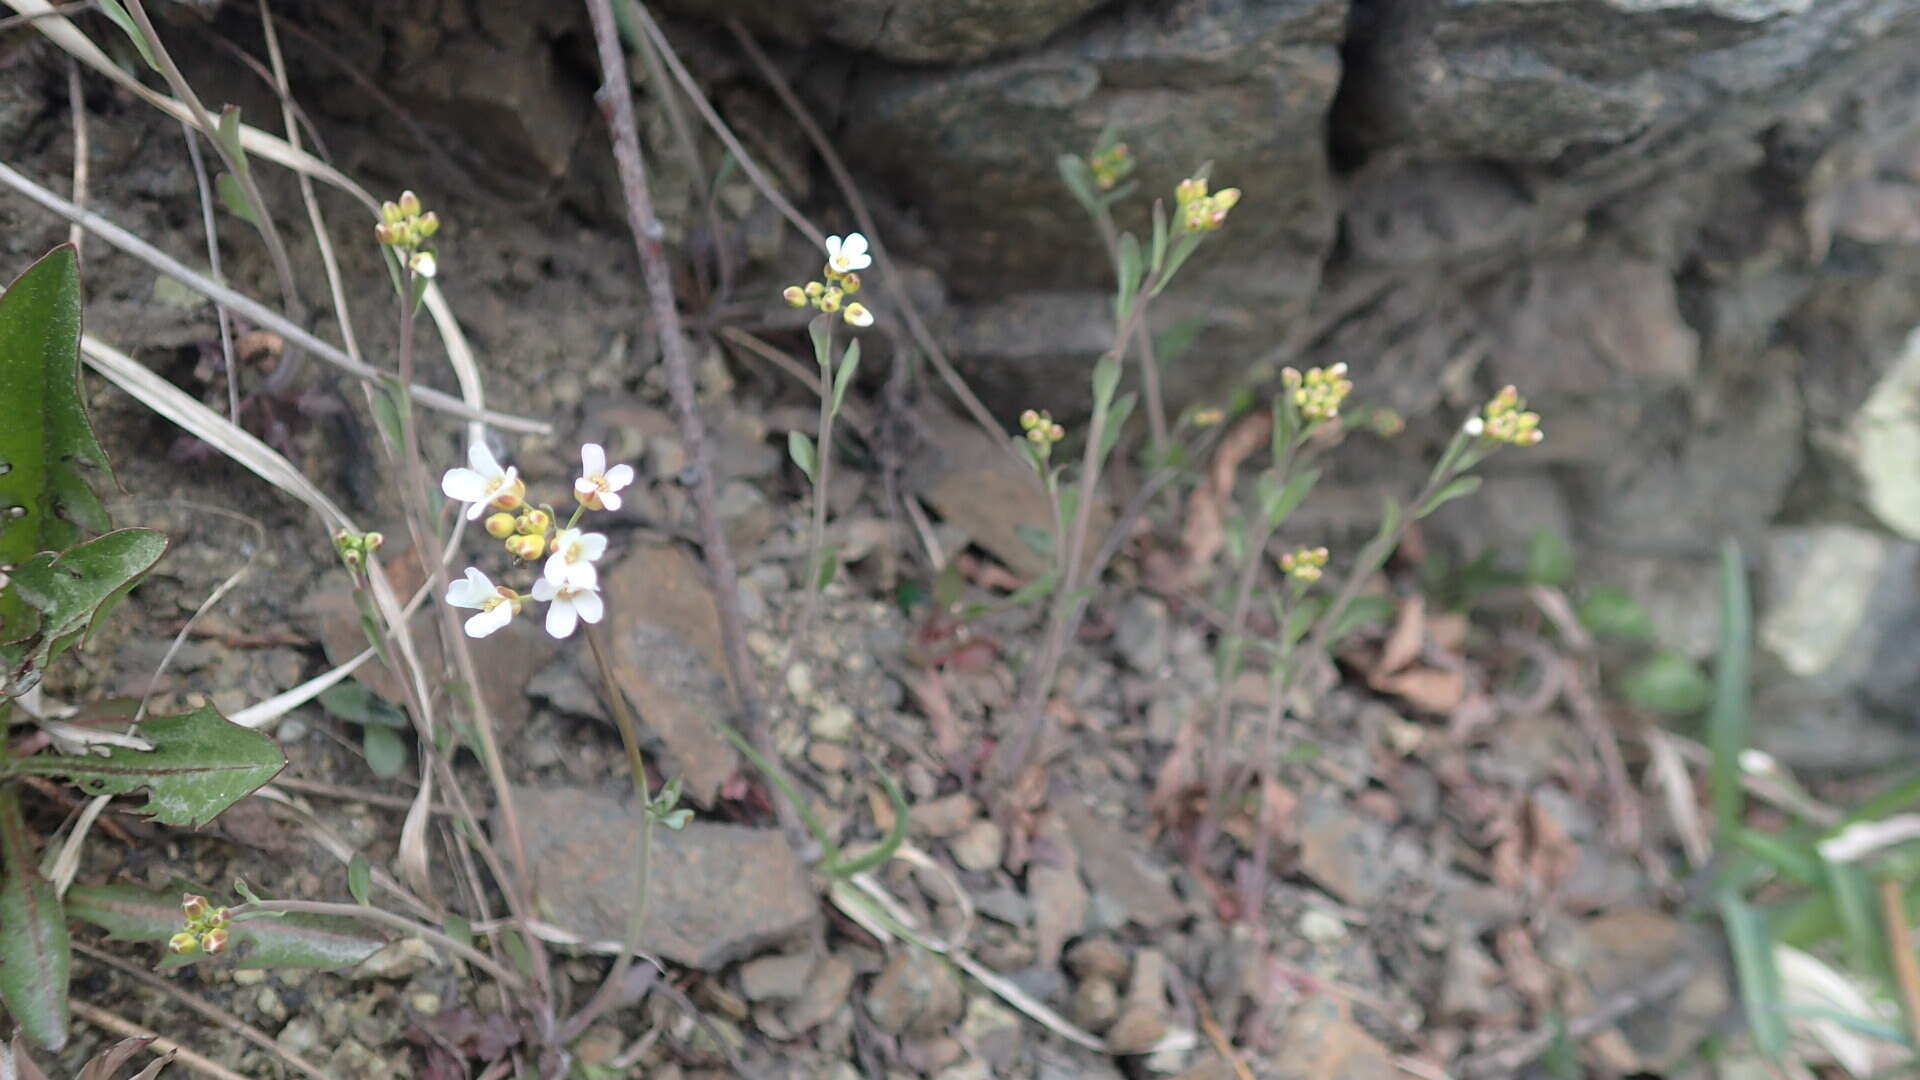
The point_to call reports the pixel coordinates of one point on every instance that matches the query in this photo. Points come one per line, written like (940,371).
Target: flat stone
(1098,957)
(945,816)
(1822,582)
(1323,1043)
(1142,634)
(1622,949)
(667,658)
(918,993)
(1117,864)
(826,992)
(715,892)
(1053,883)
(777,977)
(979,847)
(1344,853)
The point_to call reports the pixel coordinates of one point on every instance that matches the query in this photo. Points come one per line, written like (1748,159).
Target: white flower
(475,591)
(423,264)
(597,487)
(567,605)
(482,483)
(574,553)
(849,255)
(1474,426)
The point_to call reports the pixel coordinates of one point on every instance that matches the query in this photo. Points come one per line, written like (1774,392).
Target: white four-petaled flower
(574,553)
(848,255)
(481,484)
(567,605)
(598,485)
(475,591)
(423,264)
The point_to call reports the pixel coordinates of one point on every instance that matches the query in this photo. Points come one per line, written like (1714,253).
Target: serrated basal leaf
(36,955)
(65,596)
(47,446)
(200,765)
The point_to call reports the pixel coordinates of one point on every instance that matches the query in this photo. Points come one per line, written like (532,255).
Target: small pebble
(979,847)
(829,757)
(1322,927)
(833,723)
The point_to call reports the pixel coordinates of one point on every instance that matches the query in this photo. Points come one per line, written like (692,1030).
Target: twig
(159,1047)
(1906,967)
(1220,1041)
(202,1006)
(253,310)
(616,101)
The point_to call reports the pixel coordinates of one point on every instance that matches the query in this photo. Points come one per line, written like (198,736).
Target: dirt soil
(1437,865)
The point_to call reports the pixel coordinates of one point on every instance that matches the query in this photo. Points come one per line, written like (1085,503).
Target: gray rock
(1343,852)
(918,993)
(716,892)
(778,977)
(1625,948)
(1142,633)
(946,816)
(979,847)
(1117,865)
(1095,1005)
(826,992)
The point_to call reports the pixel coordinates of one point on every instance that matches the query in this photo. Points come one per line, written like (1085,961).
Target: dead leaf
(929,689)
(1525,970)
(1551,855)
(1204,532)
(1429,689)
(1403,642)
(1174,776)
(1448,631)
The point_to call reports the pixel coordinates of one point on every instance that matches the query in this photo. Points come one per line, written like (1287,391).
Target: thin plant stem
(616,101)
(636,915)
(1374,554)
(1233,649)
(414,482)
(382,917)
(822,473)
(82,148)
(211,228)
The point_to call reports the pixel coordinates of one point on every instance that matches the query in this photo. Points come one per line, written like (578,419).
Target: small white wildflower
(479,485)
(476,591)
(848,255)
(567,605)
(574,553)
(598,486)
(1474,426)
(1755,762)
(424,264)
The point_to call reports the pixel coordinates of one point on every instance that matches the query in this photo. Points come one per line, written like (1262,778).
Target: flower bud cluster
(206,930)
(1319,392)
(354,548)
(1506,420)
(1041,431)
(1305,565)
(846,257)
(406,229)
(1199,211)
(1110,165)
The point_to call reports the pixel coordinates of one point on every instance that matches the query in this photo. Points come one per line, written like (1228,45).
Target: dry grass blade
(161,1045)
(340,849)
(1682,802)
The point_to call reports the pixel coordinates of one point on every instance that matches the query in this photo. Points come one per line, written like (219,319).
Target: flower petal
(465,485)
(588,603)
(619,476)
(482,460)
(584,487)
(555,570)
(833,247)
(545,590)
(561,618)
(471,591)
(486,622)
(855,244)
(581,575)
(593,546)
(593,459)
(609,501)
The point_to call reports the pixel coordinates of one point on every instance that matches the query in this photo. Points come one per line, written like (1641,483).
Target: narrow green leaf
(1797,858)
(1277,502)
(135,913)
(1032,592)
(1364,611)
(47,449)
(385,751)
(382,395)
(1115,422)
(234,197)
(1035,537)
(948,585)
(359,878)
(828,569)
(1859,911)
(1079,180)
(1286,425)
(1159,257)
(1184,245)
(846,868)
(228,132)
(849,363)
(201,764)
(820,331)
(1549,558)
(1106,379)
(459,929)
(1131,267)
(354,703)
(1669,684)
(1459,487)
(36,956)
(1613,612)
(113,10)
(1751,939)
(800,449)
(1727,721)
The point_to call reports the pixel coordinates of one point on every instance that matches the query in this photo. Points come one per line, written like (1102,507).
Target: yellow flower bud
(850,283)
(193,907)
(534,522)
(794,295)
(409,204)
(213,941)
(183,944)
(512,498)
(830,301)
(384,233)
(391,213)
(857,315)
(500,525)
(526,546)
(1029,420)
(814,289)
(372,541)
(428,224)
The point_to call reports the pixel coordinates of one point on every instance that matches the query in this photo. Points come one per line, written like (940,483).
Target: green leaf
(1858,908)
(1796,858)
(820,330)
(36,956)
(228,133)
(1115,422)
(1131,267)
(67,594)
(1751,939)
(1458,487)
(47,447)
(1364,611)
(1669,684)
(1549,558)
(359,878)
(1276,502)
(385,751)
(1035,537)
(1159,258)
(849,363)
(1079,180)
(828,568)
(860,864)
(1613,612)
(201,764)
(1106,379)
(386,412)
(354,703)
(800,449)
(459,929)
(113,10)
(135,913)
(1727,722)
(234,197)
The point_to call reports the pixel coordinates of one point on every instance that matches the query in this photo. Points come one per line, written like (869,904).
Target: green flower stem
(822,471)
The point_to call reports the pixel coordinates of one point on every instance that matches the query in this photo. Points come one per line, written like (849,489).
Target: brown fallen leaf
(1551,855)
(1403,641)
(1429,689)
(1204,531)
